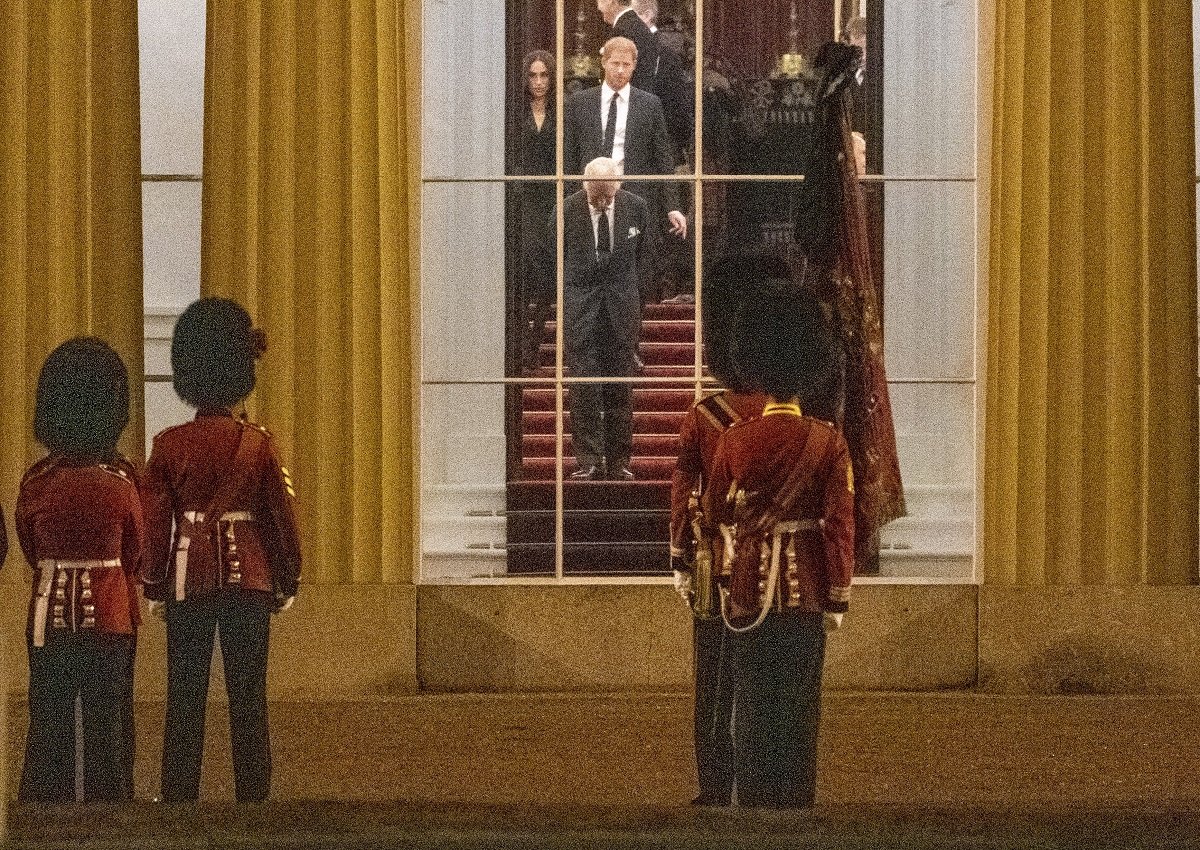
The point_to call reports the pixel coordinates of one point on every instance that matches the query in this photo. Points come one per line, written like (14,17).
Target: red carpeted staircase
(609,527)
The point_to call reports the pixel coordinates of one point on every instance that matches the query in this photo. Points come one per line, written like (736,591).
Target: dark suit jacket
(611,286)
(647,145)
(635,29)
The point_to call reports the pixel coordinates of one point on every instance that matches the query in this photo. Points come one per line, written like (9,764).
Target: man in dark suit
(672,82)
(620,15)
(605,247)
(622,122)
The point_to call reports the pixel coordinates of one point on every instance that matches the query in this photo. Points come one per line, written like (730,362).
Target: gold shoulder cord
(782,407)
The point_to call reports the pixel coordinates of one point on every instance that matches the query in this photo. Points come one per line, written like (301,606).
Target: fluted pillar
(1091,398)
(309,216)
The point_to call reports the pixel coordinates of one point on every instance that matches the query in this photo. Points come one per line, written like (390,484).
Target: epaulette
(168,430)
(40,468)
(717,410)
(255,426)
(113,469)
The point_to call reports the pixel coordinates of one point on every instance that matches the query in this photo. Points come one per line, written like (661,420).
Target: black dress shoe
(621,472)
(709,799)
(587,473)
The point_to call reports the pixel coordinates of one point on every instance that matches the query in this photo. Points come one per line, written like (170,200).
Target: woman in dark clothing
(536,276)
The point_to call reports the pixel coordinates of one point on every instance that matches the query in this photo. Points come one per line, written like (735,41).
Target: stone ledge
(1089,640)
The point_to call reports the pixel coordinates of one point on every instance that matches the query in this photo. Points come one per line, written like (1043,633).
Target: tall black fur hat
(82,400)
(213,353)
(730,282)
(783,343)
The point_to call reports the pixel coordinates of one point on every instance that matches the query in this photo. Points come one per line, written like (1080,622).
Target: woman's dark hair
(82,400)
(547,59)
(213,353)
(731,281)
(783,343)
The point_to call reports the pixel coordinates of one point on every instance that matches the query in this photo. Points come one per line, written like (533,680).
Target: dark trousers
(93,667)
(600,333)
(777,710)
(714,708)
(242,620)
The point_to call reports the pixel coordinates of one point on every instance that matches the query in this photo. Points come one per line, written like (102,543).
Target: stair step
(645,468)
(666,312)
(644,445)
(659,399)
(593,526)
(591,559)
(588,495)
(644,422)
(609,527)
(658,330)
(652,353)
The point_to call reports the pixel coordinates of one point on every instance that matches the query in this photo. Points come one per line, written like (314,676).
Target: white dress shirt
(612,237)
(606,95)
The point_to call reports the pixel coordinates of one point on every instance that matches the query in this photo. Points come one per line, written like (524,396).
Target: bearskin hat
(82,400)
(783,344)
(730,282)
(213,353)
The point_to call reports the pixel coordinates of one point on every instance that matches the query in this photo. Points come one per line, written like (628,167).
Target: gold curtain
(1090,454)
(70,203)
(309,206)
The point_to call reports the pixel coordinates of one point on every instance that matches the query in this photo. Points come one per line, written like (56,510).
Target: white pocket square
(633,232)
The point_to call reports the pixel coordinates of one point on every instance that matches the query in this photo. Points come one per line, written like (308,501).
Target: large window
(171,70)
(498,439)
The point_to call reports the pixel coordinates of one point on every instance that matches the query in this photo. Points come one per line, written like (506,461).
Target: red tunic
(80,528)
(760,457)
(698,436)
(254,545)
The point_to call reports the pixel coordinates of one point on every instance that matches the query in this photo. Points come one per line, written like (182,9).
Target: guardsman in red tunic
(781,493)
(730,282)
(79,523)
(222,548)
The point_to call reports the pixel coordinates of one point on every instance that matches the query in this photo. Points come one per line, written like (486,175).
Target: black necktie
(610,128)
(603,237)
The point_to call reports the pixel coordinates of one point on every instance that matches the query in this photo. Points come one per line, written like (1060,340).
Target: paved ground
(896,770)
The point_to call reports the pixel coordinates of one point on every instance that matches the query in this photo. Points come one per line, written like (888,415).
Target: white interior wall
(929,262)
(463,285)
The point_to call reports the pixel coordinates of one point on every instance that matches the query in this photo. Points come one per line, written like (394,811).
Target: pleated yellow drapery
(1090,455)
(307,210)
(71,202)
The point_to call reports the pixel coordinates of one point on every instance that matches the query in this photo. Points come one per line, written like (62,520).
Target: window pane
(462,481)
(171,73)
(929,279)
(491,297)
(463,298)
(935,435)
(163,409)
(170,246)
(928,88)
(463,73)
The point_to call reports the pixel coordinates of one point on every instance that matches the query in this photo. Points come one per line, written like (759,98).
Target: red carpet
(609,527)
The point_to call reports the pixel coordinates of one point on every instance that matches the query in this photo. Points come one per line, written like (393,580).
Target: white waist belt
(93,564)
(780,529)
(181,551)
(49,566)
